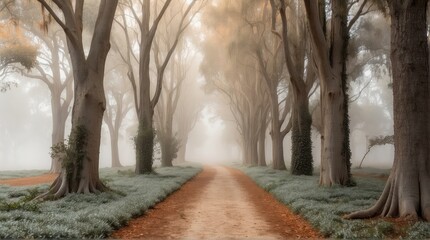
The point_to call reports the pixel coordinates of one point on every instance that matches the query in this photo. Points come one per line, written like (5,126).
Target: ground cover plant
(324,207)
(87,215)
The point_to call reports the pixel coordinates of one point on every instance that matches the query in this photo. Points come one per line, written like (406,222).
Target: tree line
(280,54)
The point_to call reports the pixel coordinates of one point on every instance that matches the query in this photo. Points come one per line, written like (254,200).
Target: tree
(406,193)
(294,43)
(166,108)
(80,161)
(53,69)
(331,57)
(119,104)
(143,98)
(15,50)
(235,72)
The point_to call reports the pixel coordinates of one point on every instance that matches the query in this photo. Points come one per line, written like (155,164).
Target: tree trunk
(182,150)
(333,167)
(407,193)
(301,157)
(331,62)
(114,149)
(58,129)
(81,157)
(254,151)
(262,145)
(277,140)
(80,169)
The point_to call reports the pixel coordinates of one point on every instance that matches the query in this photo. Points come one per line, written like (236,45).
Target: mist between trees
(306,86)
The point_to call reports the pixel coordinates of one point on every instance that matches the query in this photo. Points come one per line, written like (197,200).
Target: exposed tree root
(393,204)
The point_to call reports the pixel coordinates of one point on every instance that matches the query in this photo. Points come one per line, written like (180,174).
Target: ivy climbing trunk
(80,161)
(145,136)
(301,157)
(407,191)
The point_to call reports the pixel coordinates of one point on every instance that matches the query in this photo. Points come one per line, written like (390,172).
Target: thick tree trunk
(407,192)
(333,167)
(331,63)
(262,146)
(301,158)
(114,149)
(80,169)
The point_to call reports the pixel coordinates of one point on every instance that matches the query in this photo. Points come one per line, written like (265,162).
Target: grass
(324,207)
(87,215)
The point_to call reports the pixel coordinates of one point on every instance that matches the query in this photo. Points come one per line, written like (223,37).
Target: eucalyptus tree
(167,106)
(406,192)
(301,78)
(235,73)
(81,155)
(15,48)
(330,55)
(54,70)
(188,112)
(119,104)
(141,79)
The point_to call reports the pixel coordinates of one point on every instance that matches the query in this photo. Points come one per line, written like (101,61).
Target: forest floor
(29,181)
(219,203)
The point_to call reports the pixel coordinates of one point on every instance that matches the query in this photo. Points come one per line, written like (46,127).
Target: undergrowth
(86,215)
(324,207)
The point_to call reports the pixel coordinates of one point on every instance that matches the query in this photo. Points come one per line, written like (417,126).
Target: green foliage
(301,158)
(420,230)
(72,153)
(25,55)
(144,143)
(25,202)
(380,140)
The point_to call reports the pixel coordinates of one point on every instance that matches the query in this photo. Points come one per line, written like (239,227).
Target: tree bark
(301,157)
(182,150)
(80,169)
(277,138)
(262,144)
(114,149)
(331,63)
(407,193)
(58,128)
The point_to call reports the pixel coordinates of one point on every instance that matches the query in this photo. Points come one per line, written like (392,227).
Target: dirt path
(219,203)
(28,181)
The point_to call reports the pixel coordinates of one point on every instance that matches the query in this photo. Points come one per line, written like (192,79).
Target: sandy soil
(219,203)
(47,178)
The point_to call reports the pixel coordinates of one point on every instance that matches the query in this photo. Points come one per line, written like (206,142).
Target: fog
(211,49)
